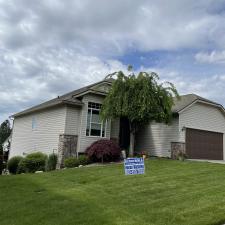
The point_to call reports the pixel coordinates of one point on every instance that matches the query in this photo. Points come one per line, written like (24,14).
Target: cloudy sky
(49,47)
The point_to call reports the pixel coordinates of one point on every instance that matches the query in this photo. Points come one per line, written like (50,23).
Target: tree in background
(5,131)
(140,98)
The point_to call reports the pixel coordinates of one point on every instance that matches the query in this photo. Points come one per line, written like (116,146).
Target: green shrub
(22,166)
(71,162)
(13,164)
(32,162)
(83,160)
(51,162)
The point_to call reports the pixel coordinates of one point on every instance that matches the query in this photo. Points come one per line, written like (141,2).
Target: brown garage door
(202,144)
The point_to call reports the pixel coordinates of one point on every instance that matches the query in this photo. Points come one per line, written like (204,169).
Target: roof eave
(92,92)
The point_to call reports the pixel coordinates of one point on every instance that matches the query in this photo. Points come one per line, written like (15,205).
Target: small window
(34,124)
(95,127)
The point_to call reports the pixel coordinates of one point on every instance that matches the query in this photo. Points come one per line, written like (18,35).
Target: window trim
(89,135)
(33,123)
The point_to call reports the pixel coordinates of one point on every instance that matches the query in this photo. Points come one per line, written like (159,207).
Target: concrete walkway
(207,160)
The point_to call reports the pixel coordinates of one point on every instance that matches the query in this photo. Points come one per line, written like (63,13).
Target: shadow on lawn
(32,200)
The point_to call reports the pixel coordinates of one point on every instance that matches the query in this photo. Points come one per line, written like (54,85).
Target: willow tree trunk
(132,137)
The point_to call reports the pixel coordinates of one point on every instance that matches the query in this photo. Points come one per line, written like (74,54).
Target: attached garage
(197,127)
(202,129)
(201,144)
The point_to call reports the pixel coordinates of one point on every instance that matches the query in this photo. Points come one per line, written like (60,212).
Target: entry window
(95,127)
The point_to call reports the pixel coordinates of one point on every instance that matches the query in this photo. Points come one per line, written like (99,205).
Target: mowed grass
(170,193)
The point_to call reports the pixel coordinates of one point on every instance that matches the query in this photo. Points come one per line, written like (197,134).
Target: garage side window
(95,127)
(34,123)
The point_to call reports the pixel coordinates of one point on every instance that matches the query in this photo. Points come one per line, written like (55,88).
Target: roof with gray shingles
(188,99)
(70,98)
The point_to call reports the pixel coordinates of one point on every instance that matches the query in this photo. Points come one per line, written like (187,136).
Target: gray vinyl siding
(50,123)
(204,117)
(156,138)
(85,141)
(72,126)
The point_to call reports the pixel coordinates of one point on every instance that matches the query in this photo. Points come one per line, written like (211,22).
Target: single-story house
(68,124)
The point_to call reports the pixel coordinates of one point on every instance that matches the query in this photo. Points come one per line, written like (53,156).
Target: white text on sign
(134,166)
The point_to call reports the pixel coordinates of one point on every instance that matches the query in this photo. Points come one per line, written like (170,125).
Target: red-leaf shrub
(103,150)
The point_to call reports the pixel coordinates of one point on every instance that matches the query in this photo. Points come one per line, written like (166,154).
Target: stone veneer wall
(67,147)
(177,147)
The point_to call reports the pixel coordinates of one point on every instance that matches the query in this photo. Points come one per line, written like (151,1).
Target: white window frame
(34,123)
(101,123)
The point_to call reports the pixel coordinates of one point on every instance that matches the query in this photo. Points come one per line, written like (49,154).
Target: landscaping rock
(39,171)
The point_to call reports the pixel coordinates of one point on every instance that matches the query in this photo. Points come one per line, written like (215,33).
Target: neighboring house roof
(8,138)
(5,144)
(72,98)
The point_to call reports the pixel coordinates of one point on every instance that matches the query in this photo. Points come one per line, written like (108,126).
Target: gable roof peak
(188,99)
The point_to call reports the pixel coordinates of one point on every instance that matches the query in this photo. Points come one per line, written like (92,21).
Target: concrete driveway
(207,160)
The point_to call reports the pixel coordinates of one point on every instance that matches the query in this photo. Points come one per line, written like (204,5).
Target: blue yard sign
(134,166)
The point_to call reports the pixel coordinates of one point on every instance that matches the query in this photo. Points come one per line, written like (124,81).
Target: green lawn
(171,192)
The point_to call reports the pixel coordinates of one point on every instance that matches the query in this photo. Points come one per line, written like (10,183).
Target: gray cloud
(36,76)
(214,57)
(49,47)
(96,26)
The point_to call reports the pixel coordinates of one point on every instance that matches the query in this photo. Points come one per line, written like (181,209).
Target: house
(68,124)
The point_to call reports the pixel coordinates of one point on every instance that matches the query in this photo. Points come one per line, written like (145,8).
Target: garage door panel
(202,144)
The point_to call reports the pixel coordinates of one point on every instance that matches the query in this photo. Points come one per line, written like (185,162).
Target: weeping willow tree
(140,98)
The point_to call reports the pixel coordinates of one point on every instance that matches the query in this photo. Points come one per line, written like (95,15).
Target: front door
(124,139)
